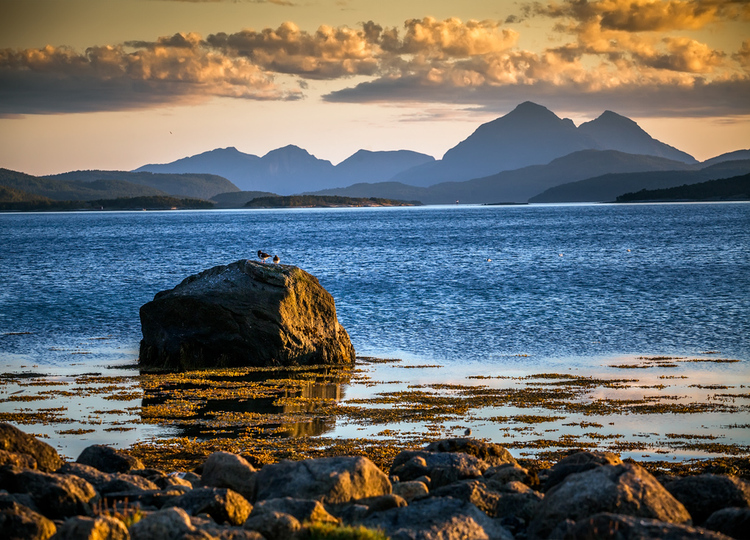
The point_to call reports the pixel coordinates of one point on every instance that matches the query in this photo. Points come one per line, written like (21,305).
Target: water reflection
(265,403)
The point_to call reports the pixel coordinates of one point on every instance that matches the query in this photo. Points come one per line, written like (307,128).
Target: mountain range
(530,154)
(291,169)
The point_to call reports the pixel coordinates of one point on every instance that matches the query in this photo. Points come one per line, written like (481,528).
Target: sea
(481,289)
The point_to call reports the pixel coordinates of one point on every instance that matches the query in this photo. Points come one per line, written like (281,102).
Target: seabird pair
(262,255)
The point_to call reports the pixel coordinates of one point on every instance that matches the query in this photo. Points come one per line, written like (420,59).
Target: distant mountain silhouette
(729,156)
(736,188)
(610,131)
(517,185)
(608,187)
(197,186)
(293,170)
(534,135)
(367,166)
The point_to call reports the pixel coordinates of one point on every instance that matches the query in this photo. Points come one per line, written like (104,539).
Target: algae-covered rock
(244,314)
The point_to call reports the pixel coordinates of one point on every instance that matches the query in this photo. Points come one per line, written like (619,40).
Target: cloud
(645,15)
(612,52)
(328,53)
(175,69)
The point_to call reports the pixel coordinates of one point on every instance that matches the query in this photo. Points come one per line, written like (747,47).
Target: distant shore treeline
(122,203)
(726,189)
(323,201)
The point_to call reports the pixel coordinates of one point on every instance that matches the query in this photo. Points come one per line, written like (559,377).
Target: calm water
(563,281)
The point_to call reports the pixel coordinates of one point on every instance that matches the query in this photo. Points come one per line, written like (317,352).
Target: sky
(116,84)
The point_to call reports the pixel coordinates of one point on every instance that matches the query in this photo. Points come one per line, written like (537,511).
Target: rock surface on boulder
(244,314)
(16,441)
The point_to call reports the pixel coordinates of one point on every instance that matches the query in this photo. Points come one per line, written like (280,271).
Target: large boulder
(244,314)
(16,441)
(57,496)
(227,470)
(18,522)
(704,494)
(441,467)
(620,489)
(439,518)
(108,459)
(334,480)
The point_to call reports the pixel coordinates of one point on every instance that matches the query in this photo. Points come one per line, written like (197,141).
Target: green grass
(329,531)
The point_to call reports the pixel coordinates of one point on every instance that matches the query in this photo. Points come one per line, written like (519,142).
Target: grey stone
(623,489)
(606,526)
(491,453)
(16,441)
(508,472)
(442,467)
(226,470)
(166,524)
(88,528)
(243,314)
(304,510)
(57,496)
(108,459)
(223,505)
(333,480)
(439,518)
(578,462)
(274,525)
(704,494)
(411,490)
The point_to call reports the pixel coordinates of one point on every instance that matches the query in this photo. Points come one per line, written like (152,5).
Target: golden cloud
(178,68)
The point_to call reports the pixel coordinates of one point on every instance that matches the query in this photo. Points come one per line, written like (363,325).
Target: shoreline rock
(589,495)
(243,314)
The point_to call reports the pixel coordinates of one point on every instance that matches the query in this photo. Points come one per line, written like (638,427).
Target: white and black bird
(276,259)
(467,432)
(262,255)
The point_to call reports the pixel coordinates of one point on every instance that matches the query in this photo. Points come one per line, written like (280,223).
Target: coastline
(381,406)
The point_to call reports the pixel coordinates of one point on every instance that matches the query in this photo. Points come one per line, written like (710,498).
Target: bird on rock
(263,255)
(276,259)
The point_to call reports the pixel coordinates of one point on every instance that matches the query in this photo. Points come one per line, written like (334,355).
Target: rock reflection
(262,403)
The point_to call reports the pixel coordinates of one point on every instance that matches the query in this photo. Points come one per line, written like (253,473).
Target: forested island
(736,188)
(324,201)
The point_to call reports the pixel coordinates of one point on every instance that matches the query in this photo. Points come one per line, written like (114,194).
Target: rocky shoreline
(451,489)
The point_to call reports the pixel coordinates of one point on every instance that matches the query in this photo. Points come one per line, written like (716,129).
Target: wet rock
(226,470)
(442,467)
(223,505)
(16,441)
(243,314)
(304,510)
(606,526)
(166,524)
(410,490)
(333,480)
(57,496)
(491,453)
(734,522)
(108,459)
(436,518)
(704,494)
(18,522)
(578,462)
(87,528)
(623,489)
(274,525)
